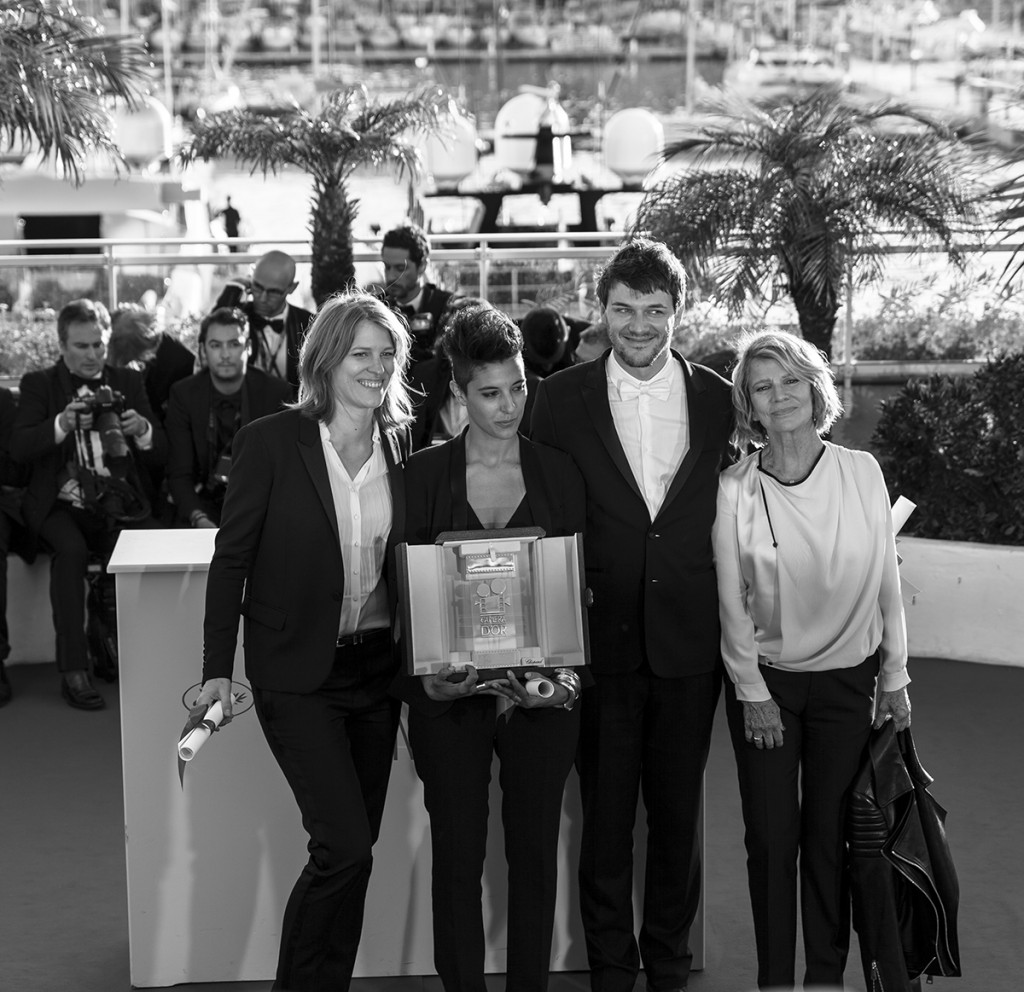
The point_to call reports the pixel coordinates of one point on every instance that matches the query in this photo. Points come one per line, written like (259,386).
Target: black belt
(376,636)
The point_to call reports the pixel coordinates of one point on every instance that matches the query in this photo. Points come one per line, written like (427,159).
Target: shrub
(931,320)
(955,446)
(27,341)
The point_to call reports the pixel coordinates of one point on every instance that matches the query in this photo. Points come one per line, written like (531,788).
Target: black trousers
(5,546)
(335,747)
(73,535)
(642,732)
(794,804)
(453,754)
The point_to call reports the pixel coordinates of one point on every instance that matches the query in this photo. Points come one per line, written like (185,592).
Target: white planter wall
(971,601)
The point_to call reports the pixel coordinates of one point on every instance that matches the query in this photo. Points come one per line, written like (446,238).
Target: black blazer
(653,582)
(277,560)
(296,324)
(172,363)
(42,396)
(435,498)
(434,301)
(188,428)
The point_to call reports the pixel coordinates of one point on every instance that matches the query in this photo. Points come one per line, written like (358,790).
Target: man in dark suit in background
(207,409)
(276,327)
(405,252)
(12,536)
(650,433)
(84,483)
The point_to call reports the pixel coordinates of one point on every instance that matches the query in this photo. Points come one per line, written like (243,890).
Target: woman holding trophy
(491,478)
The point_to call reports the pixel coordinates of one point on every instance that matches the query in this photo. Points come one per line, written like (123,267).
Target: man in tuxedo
(84,468)
(405,252)
(207,409)
(650,433)
(276,327)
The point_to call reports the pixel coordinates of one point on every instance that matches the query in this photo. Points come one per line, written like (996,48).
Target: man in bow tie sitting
(207,409)
(276,327)
(85,431)
(405,252)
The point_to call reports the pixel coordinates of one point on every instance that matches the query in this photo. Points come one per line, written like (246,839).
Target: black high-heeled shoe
(5,686)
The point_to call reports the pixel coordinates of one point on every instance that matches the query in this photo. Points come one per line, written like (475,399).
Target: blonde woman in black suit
(305,537)
(488,478)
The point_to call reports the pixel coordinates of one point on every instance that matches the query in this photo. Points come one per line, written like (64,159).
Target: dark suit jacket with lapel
(277,560)
(435,482)
(42,396)
(172,363)
(188,424)
(295,326)
(435,302)
(653,581)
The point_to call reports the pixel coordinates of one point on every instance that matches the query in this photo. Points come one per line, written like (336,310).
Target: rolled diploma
(901,511)
(198,736)
(540,687)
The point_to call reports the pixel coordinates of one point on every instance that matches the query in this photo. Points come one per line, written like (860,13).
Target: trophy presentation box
(501,599)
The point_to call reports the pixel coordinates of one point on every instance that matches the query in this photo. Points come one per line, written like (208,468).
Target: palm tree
(57,75)
(350,131)
(800,191)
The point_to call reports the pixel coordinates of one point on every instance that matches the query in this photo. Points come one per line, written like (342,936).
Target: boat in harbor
(532,179)
(770,74)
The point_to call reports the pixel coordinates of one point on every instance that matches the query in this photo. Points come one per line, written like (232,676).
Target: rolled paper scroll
(540,686)
(901,511)
(190,744)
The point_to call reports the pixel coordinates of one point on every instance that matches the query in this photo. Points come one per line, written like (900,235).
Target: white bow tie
(660,389)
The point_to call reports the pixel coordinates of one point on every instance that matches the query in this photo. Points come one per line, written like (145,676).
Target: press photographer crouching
(84,430)
(207,409)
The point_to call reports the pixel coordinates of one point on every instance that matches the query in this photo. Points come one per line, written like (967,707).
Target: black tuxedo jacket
(655,594)
(295,326)
(172,363)
(188,428)
(277,560)
(42,396)
(434,301)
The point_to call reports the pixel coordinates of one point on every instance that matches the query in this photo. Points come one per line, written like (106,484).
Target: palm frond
(58,77)
(799,186)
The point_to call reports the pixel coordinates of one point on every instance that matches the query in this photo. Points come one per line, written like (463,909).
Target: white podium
(211,865)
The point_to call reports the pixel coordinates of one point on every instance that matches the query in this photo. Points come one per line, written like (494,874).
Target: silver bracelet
(571,681)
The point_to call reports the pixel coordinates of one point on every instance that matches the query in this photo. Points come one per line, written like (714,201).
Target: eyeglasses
(260,290)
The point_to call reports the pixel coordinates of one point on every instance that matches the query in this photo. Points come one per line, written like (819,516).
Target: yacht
(769,74)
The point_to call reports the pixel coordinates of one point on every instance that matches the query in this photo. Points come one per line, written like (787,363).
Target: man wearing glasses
(276,327)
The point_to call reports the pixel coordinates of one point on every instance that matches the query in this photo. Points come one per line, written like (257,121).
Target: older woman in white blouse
(812,622)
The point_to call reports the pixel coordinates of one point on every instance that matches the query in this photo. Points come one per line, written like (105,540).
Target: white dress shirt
(274,357)
(651,420)
(363,508)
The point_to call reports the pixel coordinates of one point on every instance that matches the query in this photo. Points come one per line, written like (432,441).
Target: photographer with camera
(405,254)
(207,409)
(276,327)
(83,429)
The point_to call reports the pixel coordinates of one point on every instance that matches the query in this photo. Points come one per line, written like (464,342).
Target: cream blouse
(829,594)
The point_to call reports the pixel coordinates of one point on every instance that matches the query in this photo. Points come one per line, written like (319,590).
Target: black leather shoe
(78,692)
(5,687)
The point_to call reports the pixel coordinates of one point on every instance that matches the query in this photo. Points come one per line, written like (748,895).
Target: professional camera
(106,406)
